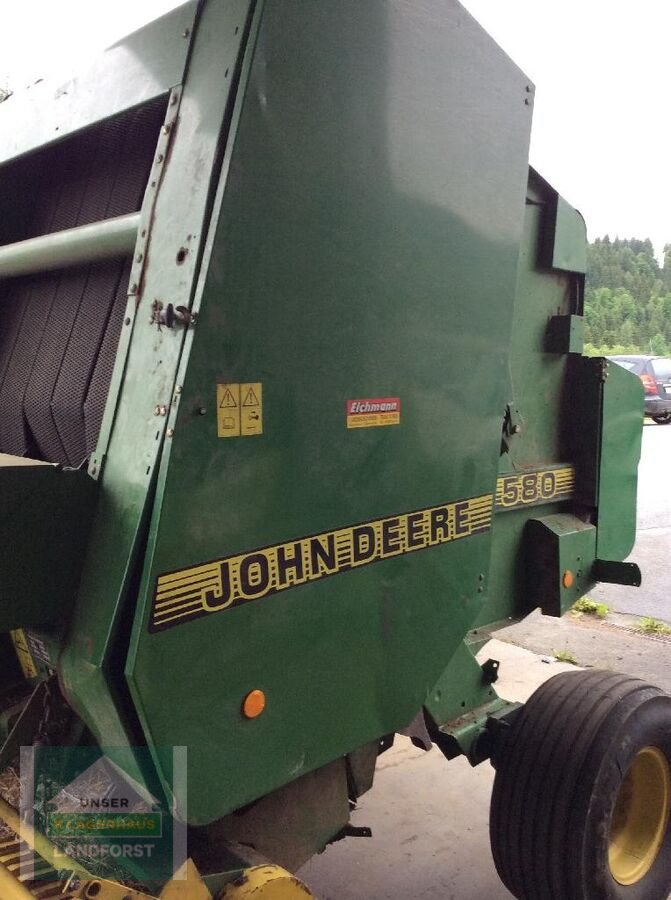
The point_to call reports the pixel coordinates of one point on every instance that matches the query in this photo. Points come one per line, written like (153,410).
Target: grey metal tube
(107,239)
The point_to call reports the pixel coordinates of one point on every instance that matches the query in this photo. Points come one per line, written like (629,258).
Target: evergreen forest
(627,298)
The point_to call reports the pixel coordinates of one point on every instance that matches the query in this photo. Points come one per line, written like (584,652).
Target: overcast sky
(601,134)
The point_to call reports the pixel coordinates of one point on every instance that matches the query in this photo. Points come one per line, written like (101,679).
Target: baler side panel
(366,247)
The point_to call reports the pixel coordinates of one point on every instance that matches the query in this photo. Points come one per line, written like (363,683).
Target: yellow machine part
(30,850)
(266,883)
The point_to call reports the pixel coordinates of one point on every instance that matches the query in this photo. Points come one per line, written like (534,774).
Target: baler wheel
(582,795)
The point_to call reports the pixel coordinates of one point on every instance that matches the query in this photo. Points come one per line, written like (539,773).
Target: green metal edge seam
(141,611)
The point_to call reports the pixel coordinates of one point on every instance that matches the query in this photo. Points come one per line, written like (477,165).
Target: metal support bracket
(477,733)
(611,571)
(565,334)
(464,709)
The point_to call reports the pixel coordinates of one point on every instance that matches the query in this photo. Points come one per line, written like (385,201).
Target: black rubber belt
(59,331)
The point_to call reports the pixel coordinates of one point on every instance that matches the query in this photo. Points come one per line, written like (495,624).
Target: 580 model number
(513,491)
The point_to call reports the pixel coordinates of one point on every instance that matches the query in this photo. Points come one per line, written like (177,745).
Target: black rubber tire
(662,420)
(559,772)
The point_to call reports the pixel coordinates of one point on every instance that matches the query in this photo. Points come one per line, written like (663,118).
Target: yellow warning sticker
(251,408)
(228,410)
(239,409)
(224,583)
(23,653)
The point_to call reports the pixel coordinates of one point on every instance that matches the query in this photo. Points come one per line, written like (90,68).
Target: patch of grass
(565,656)
(648,625)
(591,608)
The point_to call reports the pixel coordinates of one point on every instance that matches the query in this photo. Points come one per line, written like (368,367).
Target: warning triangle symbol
(227,400)
(250,398)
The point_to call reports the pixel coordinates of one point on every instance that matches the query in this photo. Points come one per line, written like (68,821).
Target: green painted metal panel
(621,436)
(563,244)
(570,239)
(559,561)
(566,334)
(461,687)
(45,512)
(539,393)
(358,253)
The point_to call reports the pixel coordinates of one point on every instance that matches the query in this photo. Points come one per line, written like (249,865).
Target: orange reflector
(568,579)
(254,704)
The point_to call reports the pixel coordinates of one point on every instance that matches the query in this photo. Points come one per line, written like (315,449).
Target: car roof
(634,357)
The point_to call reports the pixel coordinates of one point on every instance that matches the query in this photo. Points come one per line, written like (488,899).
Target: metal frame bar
(107,239)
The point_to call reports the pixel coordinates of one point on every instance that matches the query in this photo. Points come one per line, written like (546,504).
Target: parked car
(655,373)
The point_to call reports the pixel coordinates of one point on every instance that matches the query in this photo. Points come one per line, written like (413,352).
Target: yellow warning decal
(251,408)
(228,410)
(23,653)
(239,409)
(533,488)
(235,580)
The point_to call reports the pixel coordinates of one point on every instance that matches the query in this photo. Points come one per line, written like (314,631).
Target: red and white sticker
(373,411)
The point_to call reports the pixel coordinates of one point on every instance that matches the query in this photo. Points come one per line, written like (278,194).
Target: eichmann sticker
(372,412)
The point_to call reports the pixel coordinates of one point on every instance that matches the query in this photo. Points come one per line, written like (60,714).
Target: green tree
(627,297)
